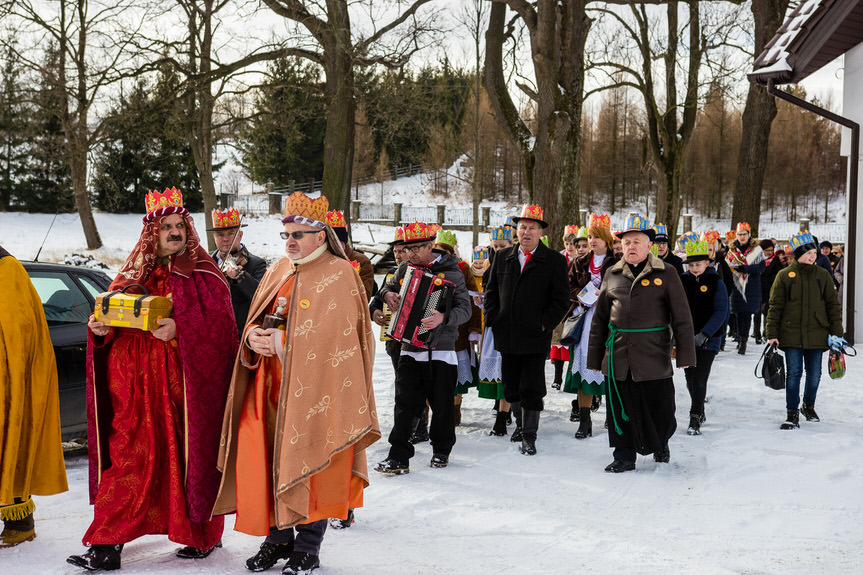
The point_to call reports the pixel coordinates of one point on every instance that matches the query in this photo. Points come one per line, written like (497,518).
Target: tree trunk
(757,120)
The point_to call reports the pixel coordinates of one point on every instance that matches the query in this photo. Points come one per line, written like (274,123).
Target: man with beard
(242,269)
(155,398)
(641,305)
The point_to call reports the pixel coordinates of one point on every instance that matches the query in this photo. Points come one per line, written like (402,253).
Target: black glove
(700,339)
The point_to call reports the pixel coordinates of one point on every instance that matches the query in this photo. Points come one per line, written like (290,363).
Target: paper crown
(743,227)
(418,232)
(162,204)
(683,240)
(544,239)
(582,233)
(696,250)
(730,236)
(571,229)
(801,240)
(638,223)
(710,237)
(227,220)
(480,253)
(301,209)
(661,232)
(501,234)
(531,212)
(599,221)
(336,219)
(508,222)
(398,235)
(446,237)
(356,265)
(785,248)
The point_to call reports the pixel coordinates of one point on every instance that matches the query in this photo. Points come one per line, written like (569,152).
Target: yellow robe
(31,457)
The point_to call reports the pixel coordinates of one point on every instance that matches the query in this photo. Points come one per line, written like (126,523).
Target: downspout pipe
(853,160)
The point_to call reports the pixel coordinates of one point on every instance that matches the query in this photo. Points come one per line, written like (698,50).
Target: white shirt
(522,256)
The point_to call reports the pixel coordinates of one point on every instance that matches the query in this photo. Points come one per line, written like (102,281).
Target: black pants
(756,325)
(523,378)
(696,379)
(650,408)
(416,383)
(308,538)
(744,322)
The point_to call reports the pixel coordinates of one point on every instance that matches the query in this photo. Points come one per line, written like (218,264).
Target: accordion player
(421,294)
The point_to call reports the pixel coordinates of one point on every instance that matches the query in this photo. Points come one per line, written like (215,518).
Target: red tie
(526,259)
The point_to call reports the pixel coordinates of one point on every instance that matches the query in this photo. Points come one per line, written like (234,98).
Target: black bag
(573,326)
(772,368)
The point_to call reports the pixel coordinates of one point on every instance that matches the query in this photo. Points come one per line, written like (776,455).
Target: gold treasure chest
(137,311)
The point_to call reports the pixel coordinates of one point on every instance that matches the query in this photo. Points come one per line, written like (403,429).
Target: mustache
(175,238)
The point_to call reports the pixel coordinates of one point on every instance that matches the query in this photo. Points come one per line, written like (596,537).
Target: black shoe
(300,563)
(390,466)
(741,348)
(555,384)
(268,555)
(619,466)
(337,523)
(499,428)
(694,424)
(439,460)
(98,557)
(662,456)
(574,414)
(516,435)
(808,412)
(792,421)
(509,417)
(195,553)
(420,434)
(597,401)
(528,446)
(585,425)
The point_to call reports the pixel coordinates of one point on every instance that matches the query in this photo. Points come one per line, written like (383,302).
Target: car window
(62,300)
(92,287)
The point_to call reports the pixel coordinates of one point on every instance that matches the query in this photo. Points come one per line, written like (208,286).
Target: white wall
(852,105)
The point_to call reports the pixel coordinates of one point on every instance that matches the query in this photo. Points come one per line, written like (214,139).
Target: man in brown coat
(641,306)
(361,262)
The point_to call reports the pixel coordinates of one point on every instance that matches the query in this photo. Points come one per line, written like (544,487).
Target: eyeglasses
(297,235)
(416,248)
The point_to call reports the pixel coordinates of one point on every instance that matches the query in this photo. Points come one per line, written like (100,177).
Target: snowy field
(743,498)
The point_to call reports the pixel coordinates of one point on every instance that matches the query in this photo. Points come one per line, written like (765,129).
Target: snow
(744,497)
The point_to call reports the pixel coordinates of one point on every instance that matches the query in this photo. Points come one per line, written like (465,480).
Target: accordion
(421,294)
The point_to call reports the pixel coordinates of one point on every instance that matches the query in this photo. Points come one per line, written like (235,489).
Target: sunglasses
(296,235)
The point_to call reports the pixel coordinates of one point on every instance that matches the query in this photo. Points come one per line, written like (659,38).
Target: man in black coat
(526,296)
(242,269)
(663,250)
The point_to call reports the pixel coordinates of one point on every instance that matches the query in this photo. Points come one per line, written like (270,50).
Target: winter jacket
(579,273)
(673,260)
(653,299)
(474,324)
(708,304)
(746,298)
(721,267)
(461,304)
(523,307)
(367,271)
(767,279)
(804,308)
(243,288)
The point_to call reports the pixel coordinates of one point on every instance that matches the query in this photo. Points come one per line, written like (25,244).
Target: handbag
(772,368)
(573,326)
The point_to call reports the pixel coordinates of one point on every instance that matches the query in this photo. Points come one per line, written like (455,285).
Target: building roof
(815,33)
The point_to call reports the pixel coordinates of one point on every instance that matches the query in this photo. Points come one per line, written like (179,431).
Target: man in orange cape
(31,458)
(301,408)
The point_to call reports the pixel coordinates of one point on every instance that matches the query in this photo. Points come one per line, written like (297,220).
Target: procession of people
(254,395)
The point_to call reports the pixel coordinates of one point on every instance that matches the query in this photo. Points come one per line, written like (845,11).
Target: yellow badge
(658,281)
(441,275)
(792,274)
(305,304)
(438,281)
(401,281)
(703,288)
(645,282)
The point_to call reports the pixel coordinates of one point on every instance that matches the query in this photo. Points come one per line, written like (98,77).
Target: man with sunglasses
(301,410)
(426,375)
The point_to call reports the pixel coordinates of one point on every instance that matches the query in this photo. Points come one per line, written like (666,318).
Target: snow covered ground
(743,498)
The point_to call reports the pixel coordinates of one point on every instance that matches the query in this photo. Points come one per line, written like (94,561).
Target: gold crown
(336,219)
(170,198)
(298,206)
(230,218)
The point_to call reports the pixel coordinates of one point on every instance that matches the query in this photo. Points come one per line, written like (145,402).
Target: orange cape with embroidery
(326,404)
(31,457)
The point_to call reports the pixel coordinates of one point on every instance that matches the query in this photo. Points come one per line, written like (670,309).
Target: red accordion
(421,294)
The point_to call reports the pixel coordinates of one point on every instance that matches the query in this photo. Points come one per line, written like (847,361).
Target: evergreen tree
(13,129)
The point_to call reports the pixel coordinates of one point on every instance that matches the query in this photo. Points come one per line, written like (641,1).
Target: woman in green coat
(804,310)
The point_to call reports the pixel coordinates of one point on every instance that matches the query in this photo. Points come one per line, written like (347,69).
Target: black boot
(792,421)
(104,557)
(558,373)
(585,425)
(595,402)
(741,347)
(421,431)
(190,552)
(499,428)
(574,415)
(515,408)
(268,555)
(530,422)
(663,455)
(300,563)
(694,424)
(808,412)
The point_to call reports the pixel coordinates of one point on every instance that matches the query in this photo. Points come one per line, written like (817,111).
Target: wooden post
(486,217)
(397,214)
(441,213)
(804,224)
(355,210)
(687,223)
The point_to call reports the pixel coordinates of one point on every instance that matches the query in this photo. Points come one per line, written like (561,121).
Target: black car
(68,295)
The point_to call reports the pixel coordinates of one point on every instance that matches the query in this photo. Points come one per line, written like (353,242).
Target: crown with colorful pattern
(301,209)
(531,212)
(661,231)
(571,229)
(480,253)
(802,243)
(446,237)
(508,222)
(696,250)
(599,221)
(356,265)
(743,227)
(228,220)
(582,233)
(336,219)
(418,232)
(501,234)
(544,239)
(683,240)
(730,236)
(165,203)
(710,237)
(638,223)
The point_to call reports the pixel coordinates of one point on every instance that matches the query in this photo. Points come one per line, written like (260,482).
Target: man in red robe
(155,398)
